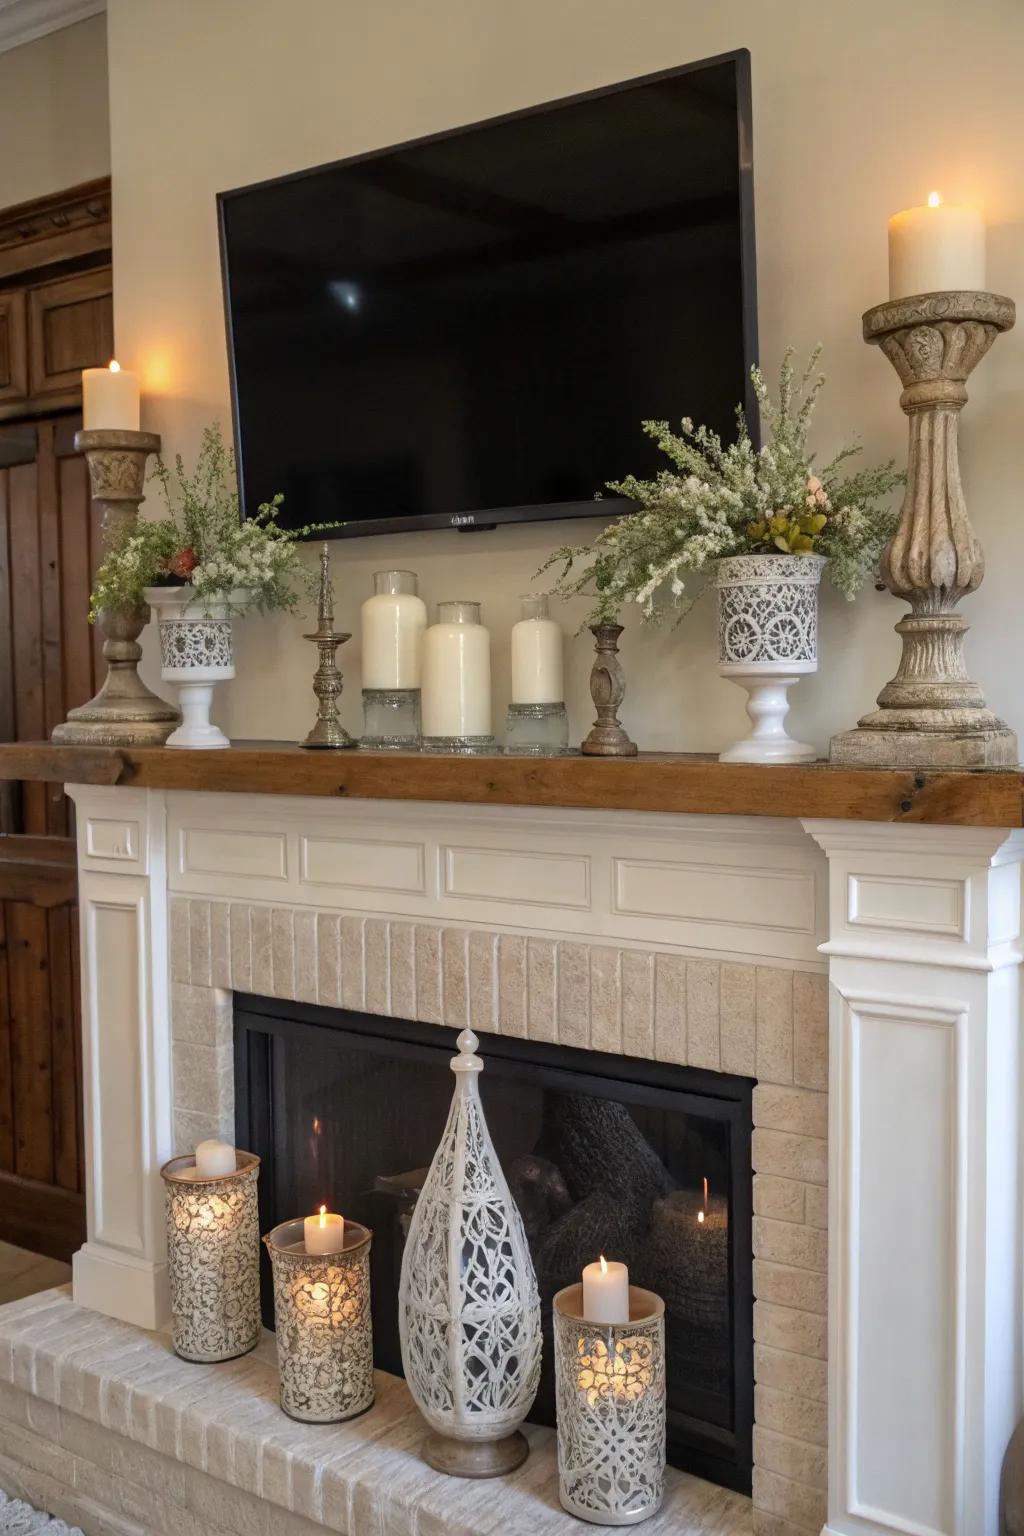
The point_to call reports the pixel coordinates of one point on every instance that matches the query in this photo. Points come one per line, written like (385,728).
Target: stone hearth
(687,939)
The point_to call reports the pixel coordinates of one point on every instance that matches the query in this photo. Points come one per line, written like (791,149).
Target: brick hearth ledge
(679,938)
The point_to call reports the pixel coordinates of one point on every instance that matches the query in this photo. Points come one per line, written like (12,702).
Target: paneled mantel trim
(919,927)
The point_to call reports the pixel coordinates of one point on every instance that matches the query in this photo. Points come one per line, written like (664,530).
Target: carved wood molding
(59,227)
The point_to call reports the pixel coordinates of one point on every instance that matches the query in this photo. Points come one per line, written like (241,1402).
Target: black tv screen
(470,329)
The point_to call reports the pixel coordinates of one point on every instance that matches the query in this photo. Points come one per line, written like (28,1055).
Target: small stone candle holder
(610,1406)
(324,1331)
(213,1256)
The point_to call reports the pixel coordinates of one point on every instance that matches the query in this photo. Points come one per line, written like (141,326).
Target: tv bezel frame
(607,507)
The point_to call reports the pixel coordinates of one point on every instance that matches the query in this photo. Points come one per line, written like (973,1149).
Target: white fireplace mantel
(918,926)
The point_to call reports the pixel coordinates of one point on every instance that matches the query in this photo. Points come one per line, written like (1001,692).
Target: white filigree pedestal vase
(469,1309)
(767,641)
(196,652)
(610,1405)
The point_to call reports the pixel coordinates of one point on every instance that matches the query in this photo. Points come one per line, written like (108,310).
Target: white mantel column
(126,1052)
(925,1300)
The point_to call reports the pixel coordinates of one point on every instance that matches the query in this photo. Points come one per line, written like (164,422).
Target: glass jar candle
(536,724)
(213,1255)
(457,681)
(393,623)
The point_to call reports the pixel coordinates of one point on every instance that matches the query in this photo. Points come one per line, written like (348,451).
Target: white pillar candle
(214,1159)
(606,1292)
(393,623)
(457,673)
(324,1232)
(934,248)
(110,399)
(537,656)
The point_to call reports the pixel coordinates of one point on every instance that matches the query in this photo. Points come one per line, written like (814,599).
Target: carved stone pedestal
(124,713)
(931,715)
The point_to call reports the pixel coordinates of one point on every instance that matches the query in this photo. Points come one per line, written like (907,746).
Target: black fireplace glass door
(603,1154)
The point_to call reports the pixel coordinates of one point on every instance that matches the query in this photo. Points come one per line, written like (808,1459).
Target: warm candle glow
(115,366)
(934,199)
(323,1215)
(604,1265)
(324,1232)
(700,1218)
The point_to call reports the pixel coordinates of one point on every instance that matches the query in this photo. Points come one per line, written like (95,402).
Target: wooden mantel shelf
(652,782)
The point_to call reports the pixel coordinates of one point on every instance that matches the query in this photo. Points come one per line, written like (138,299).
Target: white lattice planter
(610,1402)
(196,653)
(768,640)
(469,1309)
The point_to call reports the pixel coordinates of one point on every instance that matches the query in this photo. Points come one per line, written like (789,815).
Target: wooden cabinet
(49,332)
(56,310)
(71,327)
(13,347)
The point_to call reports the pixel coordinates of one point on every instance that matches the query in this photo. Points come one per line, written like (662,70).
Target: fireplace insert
(645,1162)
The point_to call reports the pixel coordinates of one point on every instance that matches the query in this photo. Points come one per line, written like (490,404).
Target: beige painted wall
(859,109)
(53,112)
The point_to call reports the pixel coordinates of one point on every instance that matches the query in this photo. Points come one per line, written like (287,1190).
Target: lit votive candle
(214,1159)
(324,1232)
(606,1292)
(935,248)
(110,399)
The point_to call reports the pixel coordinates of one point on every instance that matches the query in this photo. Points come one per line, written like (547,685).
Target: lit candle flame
(700,1218)
(115,366)
(934,200)
(604,1265)
(323,1215)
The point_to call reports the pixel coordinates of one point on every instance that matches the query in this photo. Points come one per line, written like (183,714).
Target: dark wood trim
(64,226)
(41,1217)
(40,870)
(689,783)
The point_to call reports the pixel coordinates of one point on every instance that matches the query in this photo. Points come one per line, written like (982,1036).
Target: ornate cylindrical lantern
(213,1256)
(468,1305)
(324,1328)
(610,1404)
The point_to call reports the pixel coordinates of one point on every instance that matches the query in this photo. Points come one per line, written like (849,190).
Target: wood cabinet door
(71,327)
(49,661)
(13,346)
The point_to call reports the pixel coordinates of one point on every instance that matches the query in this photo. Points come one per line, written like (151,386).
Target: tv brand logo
(460,521)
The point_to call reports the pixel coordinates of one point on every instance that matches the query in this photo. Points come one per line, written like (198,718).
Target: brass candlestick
(607,689)
(124,713)
(327,680)
(931,715)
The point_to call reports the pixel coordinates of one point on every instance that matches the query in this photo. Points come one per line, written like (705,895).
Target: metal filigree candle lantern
(610,1403)
(327,680)
(324,1330)
(213,1256)
(469,1311)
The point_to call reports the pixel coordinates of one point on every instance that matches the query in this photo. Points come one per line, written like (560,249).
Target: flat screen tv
(469,329)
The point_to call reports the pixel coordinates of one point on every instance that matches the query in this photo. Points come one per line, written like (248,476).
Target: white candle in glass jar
(537,656)
(606,1292)
(935,248)
(456,697)
(393,623)
(214,1159)
(110,399)
(324,1232)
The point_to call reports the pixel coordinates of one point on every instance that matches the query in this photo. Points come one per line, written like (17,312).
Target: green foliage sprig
(202,542)
(716,501)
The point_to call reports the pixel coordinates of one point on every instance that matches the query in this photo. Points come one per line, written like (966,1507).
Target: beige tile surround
(756,1021)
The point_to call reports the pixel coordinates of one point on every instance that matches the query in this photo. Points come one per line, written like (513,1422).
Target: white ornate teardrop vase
(469,1309)
(767,641)
(196,652)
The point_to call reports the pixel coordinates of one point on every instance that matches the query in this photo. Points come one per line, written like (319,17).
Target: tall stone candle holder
(323,1323)
(213,1258)
(610,1407)
(124,713)
(931,715)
